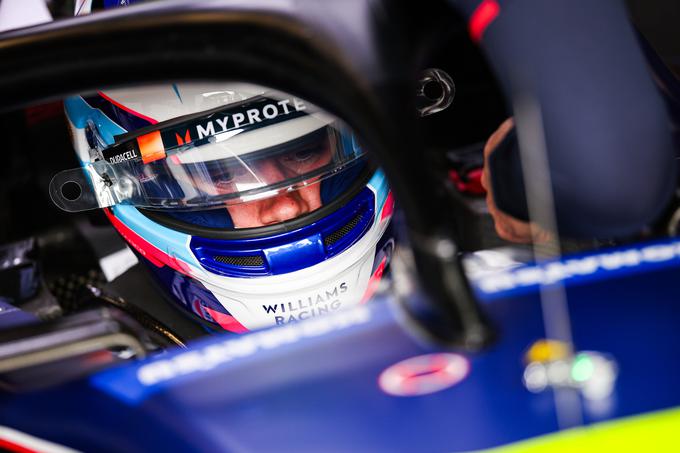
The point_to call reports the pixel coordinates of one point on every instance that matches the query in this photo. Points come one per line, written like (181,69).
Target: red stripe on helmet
(127,109)
(156,256)
(388,207)
(374,281)
(227,322)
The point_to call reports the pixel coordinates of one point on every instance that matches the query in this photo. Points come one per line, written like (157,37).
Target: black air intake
(338,234)
(251,260)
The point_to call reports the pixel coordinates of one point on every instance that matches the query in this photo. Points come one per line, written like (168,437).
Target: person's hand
(507,227)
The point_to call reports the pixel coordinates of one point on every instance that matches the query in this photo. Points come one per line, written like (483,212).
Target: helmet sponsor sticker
(248,113)
(319,303)
(424,374)
(195,130)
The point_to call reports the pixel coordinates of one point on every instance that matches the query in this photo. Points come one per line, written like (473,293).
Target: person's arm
(507,227)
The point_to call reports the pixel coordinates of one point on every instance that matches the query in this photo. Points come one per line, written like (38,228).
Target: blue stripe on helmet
(379,184)
(188,290)
(125,119)
(80,113)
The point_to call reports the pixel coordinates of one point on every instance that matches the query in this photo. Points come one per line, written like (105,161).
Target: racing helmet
(250,207)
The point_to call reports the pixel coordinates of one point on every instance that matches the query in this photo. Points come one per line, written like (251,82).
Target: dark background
(36,144)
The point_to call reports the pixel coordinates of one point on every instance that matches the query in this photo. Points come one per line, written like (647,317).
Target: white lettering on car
(213,355)
(544,274)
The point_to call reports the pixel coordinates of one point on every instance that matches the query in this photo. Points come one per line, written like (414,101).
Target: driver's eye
(301,156)
(302,160)
(230,174)
(223,176)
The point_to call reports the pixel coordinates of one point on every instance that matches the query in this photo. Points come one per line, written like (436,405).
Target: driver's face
(288,205)
(271,170)
(277,209)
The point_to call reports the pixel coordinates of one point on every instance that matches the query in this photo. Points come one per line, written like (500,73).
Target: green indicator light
(582,369)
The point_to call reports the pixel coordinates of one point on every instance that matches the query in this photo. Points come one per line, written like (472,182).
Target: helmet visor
(260,148)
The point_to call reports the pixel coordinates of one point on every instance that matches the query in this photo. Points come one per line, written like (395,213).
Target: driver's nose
(283,207)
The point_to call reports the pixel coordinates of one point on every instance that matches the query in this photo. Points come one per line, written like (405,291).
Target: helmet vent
(250,260)
(341,232)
